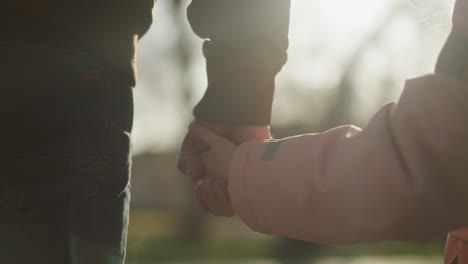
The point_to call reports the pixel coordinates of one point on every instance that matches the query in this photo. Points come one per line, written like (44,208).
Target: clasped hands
(205,156)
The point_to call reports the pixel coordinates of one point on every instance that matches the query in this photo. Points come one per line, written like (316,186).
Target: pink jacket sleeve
(403,177)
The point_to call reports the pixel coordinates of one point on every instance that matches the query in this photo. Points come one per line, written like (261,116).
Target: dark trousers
(65,123)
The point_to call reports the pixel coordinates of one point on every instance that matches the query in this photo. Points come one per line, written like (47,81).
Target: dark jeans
(65,123)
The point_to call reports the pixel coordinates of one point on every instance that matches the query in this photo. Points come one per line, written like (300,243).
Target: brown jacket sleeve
(245,47)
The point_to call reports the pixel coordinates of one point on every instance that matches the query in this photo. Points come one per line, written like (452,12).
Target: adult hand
(211,192)
(191,164)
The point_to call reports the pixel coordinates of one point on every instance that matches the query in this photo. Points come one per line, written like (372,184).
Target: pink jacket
(403,177)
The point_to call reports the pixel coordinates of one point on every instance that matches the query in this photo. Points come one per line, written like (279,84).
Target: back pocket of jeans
(54,105)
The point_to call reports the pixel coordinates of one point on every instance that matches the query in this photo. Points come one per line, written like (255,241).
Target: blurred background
(346,59)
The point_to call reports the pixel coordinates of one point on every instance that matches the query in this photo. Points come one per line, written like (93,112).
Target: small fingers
(220,188)
(198,194)
(193,167)
(212,196)
(188,160)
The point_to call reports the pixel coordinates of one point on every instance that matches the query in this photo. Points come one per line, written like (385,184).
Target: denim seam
(109,119)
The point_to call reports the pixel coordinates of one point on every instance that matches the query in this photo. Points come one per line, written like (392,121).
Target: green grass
(159,249)
(153,238)
(433,248)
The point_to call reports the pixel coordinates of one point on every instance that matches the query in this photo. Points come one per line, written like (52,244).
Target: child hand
(212,191)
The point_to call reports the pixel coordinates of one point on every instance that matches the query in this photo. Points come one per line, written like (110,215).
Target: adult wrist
(238,133)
